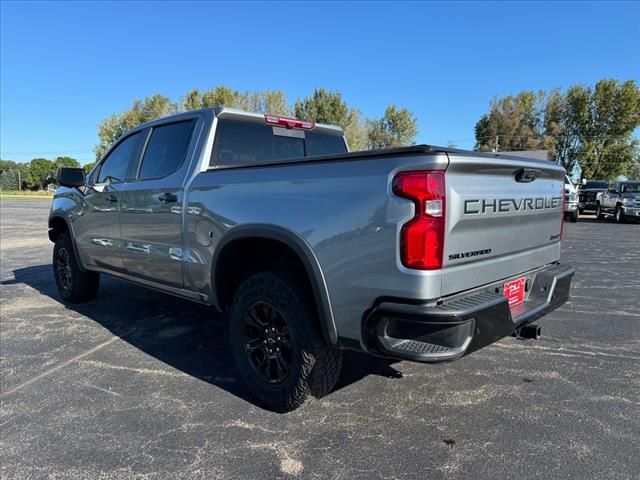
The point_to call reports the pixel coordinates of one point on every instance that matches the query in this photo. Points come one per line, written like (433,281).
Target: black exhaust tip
(529,332)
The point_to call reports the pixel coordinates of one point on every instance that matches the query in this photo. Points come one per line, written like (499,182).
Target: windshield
(630,187)
(602,185)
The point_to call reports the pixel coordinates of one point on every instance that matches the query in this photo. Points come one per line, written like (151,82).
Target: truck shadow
(189,337)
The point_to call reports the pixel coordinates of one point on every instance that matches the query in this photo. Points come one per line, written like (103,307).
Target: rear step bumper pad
(447,331)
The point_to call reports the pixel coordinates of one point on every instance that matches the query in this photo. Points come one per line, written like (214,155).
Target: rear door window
(166,149)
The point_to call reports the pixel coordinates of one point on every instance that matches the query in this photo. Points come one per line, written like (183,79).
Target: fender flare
(62,215)
(302,250)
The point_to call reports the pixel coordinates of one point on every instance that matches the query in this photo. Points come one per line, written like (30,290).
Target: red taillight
(422,237)
(288,122)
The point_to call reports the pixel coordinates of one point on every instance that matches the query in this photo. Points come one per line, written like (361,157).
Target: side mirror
(70,177)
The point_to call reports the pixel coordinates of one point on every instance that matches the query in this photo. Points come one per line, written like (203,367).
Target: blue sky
(65,66)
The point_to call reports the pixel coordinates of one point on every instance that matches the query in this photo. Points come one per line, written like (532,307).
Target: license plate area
(514,291)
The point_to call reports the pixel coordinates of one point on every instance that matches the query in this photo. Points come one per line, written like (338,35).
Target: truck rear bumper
(464,323)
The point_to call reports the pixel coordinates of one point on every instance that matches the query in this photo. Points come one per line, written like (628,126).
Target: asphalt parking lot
(136,384)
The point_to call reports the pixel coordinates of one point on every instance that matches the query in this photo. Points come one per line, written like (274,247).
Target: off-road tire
(314,365)
(573,217)
(74,285)
(619,215)
(599,212)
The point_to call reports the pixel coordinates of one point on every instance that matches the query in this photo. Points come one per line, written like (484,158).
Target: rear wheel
(276,344)
(73,284)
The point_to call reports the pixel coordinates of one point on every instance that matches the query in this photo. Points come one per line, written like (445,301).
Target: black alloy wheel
(63,269)
(267,342)
(75,285)
(277,343)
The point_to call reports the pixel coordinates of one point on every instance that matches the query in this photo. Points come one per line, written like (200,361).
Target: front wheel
(73,284)
(619,215)
(599,212)
(276,343)
(573,217)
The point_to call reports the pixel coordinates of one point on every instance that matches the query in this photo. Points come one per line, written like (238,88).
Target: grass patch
(26,193)
(25,196)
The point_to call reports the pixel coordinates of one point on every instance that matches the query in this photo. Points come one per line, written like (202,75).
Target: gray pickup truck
(621,199)
(419,253)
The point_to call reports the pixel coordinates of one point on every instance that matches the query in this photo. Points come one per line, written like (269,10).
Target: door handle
(168,197)
(111,198)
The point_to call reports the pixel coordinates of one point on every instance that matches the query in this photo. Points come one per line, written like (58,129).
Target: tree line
(34,175)
(589,130)
(396,127)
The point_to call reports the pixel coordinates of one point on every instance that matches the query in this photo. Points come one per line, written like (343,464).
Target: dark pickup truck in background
(588,194)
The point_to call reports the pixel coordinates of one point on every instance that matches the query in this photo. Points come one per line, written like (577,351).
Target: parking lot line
(63,364)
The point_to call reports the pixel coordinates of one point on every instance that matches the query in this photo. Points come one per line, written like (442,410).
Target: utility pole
(19,182)
(497,145)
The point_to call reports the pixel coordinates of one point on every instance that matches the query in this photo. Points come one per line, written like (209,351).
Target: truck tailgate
(504,217)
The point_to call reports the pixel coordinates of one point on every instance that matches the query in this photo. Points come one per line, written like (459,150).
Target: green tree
(274,102)
(513,123)
(88,167)
(634,170)
(396,128)
(12,175)
(41,173)
(191,101)
(329,107)
(356,131)
(583,128)
(65,162)
(565,118)
(8,165)
(220,96)
(323,107)
(9,180)
(609,148)
(141,111)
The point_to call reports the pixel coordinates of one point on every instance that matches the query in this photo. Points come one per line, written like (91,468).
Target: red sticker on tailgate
(514,291)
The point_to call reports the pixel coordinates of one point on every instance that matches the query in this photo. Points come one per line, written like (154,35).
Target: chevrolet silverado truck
(622,200)
(588,194)
(419,253)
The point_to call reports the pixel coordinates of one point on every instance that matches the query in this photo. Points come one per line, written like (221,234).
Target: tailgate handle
(527,175)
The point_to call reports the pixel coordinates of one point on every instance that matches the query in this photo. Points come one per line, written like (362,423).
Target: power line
(50,152)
